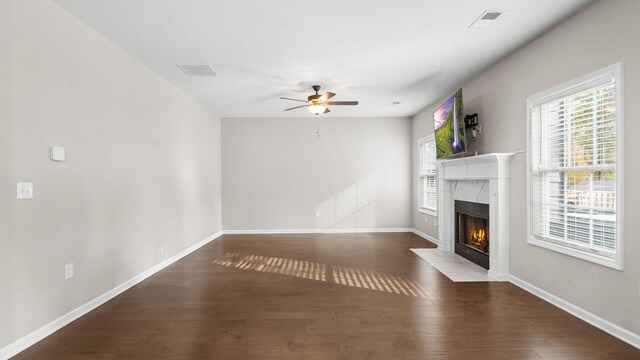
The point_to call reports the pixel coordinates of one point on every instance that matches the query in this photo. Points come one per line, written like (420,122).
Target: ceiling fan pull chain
(318,127)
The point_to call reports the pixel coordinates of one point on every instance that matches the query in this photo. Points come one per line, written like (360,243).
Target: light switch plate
(57,153)
(24,191)
(68,271)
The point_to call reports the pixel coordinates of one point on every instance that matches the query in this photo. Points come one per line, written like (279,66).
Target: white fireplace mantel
(493,168)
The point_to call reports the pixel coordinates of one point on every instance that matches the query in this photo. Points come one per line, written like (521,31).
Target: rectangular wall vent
(490,15)
(486,19)
(198,70)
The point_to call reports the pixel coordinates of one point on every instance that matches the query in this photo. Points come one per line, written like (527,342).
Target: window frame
(588,81)
(423,141)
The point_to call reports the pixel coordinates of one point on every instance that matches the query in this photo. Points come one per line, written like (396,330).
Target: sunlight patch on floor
(347,276)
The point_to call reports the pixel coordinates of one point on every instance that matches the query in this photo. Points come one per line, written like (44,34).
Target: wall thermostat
(57,153)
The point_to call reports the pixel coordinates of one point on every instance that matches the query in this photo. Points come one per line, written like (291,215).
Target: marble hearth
(482,179)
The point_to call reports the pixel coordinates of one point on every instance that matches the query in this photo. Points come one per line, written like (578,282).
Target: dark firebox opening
(472,232)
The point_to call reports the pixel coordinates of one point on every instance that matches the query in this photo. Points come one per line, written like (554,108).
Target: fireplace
(483,179)
(472,232)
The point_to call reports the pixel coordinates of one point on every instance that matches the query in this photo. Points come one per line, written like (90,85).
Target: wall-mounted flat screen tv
(448,123)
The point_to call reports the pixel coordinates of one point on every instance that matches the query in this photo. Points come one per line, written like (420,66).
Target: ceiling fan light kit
(317,104)
(317,109)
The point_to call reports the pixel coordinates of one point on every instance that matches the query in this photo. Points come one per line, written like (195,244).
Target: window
(575,173)
(428,202)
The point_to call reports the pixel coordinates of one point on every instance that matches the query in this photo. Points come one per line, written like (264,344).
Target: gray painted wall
(499,96)
(276,173)
(6,187)
(142,169)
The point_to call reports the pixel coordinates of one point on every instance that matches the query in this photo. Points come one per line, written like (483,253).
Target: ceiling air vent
(198,70)
(486,19)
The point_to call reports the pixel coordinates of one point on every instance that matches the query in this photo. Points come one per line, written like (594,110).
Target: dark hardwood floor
(338,296)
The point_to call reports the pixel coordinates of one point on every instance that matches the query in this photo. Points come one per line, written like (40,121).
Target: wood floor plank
(323,296)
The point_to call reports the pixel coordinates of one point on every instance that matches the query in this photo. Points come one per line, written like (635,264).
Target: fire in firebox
(479,237)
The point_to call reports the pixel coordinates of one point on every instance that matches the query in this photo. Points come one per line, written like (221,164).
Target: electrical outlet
(24,191)
(435,222)
(317,213)
(161,251)
(68,271)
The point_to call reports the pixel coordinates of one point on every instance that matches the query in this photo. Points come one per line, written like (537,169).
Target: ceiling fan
(317,104)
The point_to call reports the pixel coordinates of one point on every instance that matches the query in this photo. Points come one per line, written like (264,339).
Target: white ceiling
(377,52)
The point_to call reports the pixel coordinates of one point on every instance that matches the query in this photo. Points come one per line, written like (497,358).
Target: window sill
(614,263)
(428,212)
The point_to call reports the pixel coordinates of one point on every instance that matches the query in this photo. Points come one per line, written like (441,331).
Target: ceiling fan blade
(286,98)
(326,96)
(342,103)
(297,107)
(326,110)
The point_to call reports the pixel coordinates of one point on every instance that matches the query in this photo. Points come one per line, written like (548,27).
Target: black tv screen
(448,124)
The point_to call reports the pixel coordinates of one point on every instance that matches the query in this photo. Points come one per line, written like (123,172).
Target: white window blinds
(573,168)
(428,176)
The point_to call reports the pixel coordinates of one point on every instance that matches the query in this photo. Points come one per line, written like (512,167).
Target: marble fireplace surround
(483,179)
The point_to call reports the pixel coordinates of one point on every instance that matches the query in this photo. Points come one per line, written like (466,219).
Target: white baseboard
(333,231)
(498,276)
(426,236)
(319,231)
(602,324)
(57,324)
